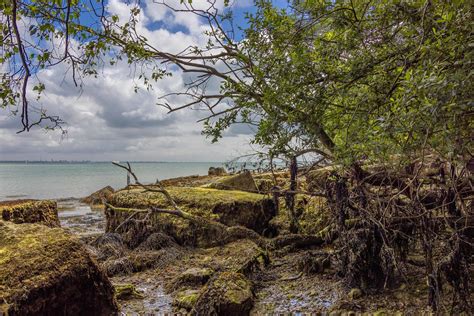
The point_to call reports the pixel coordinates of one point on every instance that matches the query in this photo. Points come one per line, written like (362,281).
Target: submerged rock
(230,293)
(30,211)
(232,208)
(97,197)
(242,182)
(45,271)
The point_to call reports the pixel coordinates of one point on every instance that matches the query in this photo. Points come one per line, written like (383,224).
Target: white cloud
(107,120)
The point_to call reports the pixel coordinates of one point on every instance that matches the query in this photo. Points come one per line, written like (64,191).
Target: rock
(241,182)
(157,241)
(355,294)
(230,293)
(97,197)
(186,299)
(30,211)
(45,271)
(216,171)
(126,292)
(232,208)
(109,245)
(193,276)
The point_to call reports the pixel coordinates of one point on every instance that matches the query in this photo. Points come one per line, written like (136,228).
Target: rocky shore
(233,255)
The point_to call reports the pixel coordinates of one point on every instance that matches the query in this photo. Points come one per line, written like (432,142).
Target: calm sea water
(63,180)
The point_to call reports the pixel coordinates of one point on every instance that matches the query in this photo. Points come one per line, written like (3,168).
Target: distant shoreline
(89,161)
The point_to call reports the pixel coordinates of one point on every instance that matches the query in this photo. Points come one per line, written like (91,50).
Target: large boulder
(30,211)
(97,197)
(242,181)
(45,271)
(231,208)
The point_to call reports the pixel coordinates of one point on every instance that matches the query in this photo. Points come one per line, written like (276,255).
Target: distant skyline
(108,121)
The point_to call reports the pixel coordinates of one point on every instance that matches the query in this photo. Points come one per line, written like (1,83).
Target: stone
(97,197)
(242,182)
(355,294)
(45,271)
(230,293)
(30,211)
(216,171)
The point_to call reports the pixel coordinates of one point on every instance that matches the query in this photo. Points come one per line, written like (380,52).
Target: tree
(380,89)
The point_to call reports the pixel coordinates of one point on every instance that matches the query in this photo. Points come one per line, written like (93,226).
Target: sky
(107,120)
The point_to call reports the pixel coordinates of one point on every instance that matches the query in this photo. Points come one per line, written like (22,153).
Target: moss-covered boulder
(30,211)
(97,197)
(45,271)
(242,181)
(231,208)
(229,293)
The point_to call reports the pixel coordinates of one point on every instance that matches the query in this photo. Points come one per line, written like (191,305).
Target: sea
(62,180)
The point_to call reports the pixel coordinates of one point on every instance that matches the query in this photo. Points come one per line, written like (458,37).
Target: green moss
(192,197)
(186,299)
(30,211)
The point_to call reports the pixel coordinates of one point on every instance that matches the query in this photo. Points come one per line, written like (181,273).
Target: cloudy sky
(107,120)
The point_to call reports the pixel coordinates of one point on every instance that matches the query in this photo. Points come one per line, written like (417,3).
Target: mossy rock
(232,208)
(126,292)
(186,299)
(242,182)
(193,277)
(45,271)
(30,211)
(97,197)
(229,293)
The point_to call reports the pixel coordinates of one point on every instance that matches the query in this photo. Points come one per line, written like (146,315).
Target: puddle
(154,302)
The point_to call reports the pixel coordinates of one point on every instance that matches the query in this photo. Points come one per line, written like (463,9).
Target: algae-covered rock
(193,276)
(30,211)
(230,293)
(242,182)
(232,208)
(45,271)
(97,197)
(186,299)
(126,292)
